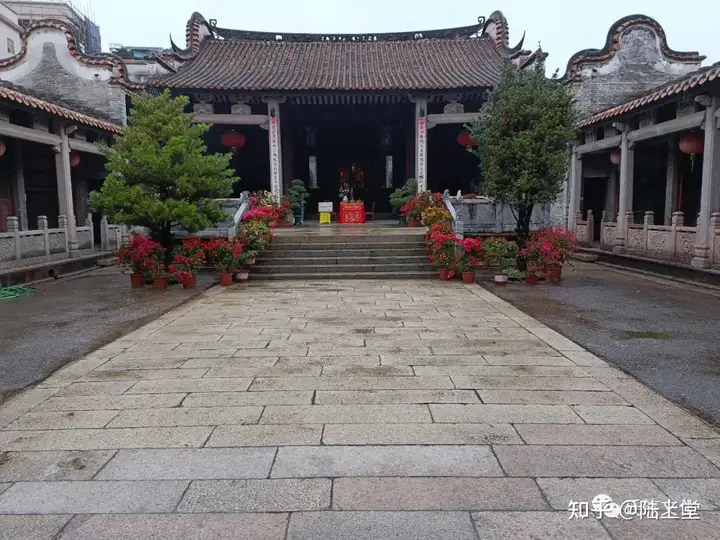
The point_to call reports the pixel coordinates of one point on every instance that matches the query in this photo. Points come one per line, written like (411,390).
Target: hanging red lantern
(465,139)
(692,143)
(233,140)
(74,159)
(3,147)
(615,157)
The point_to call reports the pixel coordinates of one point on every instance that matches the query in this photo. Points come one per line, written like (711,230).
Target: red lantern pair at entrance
(465,139)
(690,143)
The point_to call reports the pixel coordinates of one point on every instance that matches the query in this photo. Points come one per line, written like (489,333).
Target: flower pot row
(444,274)
(137,281)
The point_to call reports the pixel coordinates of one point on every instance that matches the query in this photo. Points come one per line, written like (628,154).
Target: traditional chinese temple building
(371,110)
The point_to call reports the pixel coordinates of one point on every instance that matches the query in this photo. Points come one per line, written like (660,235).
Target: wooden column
(576,179)
(625,203)
(275,148)
(710,190)
(671,180)
(421,144)
(64,186)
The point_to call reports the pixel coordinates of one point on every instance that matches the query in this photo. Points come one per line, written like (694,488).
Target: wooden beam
(691,121)
(454,118)
(84,146)
(28,134)
(598,146)
(236,119)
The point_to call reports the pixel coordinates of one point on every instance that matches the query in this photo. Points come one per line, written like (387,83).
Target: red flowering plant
(224,253)
(187,259)
(142,255)
(266,214)
(471,250)
(255,234)
(444,228)
(550,245)
(443,250)
(414,208)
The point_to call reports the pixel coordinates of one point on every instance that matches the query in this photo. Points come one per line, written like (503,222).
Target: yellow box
(324,217)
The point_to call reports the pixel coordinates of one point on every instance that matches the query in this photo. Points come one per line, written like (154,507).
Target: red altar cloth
(352,212)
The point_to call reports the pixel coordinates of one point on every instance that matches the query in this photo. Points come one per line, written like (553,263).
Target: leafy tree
(523,141)
(160,174)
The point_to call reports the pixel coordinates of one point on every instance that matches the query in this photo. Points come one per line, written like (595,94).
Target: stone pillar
(20,201)
(81,195)
(671,181)
(625,203)
(710,190)
(65,191)
(276,168)
(421,144)
(610,194)
(576,179)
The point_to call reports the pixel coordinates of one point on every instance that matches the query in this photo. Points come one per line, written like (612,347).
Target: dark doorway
(594,191)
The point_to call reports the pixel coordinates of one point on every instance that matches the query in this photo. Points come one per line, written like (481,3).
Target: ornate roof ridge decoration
(103,59)
(612,45)
(460,32)
(693,80)
(499,32)
(193,35)
(27,100)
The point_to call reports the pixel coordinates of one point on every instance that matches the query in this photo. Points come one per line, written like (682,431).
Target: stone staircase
(334,251)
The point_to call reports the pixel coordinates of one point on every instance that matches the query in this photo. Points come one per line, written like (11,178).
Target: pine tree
(523,141)
(159,172)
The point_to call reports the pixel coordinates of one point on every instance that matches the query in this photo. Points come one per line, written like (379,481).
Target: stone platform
(335,409)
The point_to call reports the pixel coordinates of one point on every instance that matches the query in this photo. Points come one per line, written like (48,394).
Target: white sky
(562,27)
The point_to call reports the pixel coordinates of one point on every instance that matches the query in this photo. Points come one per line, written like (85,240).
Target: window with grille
(312,168)
(388,171)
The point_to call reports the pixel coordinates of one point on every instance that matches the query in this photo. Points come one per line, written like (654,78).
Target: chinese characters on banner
(421,154)
(274,157)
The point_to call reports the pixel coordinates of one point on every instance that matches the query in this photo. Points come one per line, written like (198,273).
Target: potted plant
(413,209)
(224,255)
(532,253)
(241,271)
(298,194)
(140,254)
(470,251)
(554,245)
(402,196)
(435,215)
(187,259)
(443,253)
(500,254)
(255,234)
(160,276)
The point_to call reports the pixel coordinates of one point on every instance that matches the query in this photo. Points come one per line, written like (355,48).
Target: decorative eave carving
(112,62)
(612,45)
(497,28)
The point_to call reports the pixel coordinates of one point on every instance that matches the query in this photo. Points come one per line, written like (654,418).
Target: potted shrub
(160,276)
(402,196)
(187,259)
(224,254)
(442,253)
(413,209)
(241,271)
(141,255)
(555,246)
(435,215)
(532,253)
(499,255)
(470,251)
(297,195)
(255,234)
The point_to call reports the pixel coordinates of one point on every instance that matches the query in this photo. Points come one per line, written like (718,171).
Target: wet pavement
(664,333)
(70,317)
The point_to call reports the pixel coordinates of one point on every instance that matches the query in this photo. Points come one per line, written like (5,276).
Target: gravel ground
(663,333)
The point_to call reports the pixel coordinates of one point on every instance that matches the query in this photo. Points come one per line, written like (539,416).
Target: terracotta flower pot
(137,281)
(189,283)
(468,277)
(411,222)
(554,272)
(531,279)
(500,279)
(160,282)
(224,279)
(444,274)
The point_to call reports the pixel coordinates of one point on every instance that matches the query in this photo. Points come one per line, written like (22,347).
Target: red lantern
(465,139)
(3,147)
(615,157)
(74,159)
(233,140)
(692,143)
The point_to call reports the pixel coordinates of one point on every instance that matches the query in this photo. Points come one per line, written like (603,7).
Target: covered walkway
(347,409)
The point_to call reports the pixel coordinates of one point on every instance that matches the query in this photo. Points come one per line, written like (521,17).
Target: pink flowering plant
(142,255)
(225,254)
(443,248)
(471,250)
(550,245)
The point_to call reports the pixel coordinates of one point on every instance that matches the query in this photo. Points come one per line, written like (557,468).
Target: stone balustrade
(674,242)
(24,248)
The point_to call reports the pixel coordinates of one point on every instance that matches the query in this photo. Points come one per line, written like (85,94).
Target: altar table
(352,212)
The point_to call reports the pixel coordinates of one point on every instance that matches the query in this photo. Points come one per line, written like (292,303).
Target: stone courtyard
(348,409)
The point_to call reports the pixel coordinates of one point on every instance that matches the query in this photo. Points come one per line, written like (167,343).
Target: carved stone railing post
(648,220)
(629,219)
(42,225)
(590,228)
(677,221)
(713,237)
(104,236)
(12,226)
(89,223)
(63,224)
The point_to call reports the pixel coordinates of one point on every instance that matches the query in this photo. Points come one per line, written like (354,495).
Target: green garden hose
(14,292)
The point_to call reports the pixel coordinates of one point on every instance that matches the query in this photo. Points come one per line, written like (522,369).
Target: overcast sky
(561,26)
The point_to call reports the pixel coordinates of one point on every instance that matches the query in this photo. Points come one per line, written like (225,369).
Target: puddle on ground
(646,335)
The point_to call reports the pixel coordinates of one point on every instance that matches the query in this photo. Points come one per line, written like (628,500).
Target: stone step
(341,260)
(349,252)
(345,239)
(366,245)
(419,274)
(340,268)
